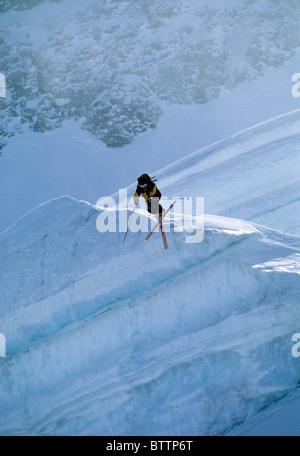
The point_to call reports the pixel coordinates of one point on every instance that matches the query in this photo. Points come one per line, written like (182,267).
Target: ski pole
(130,218)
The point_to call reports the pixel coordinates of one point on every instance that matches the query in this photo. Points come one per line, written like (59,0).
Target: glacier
(106,338)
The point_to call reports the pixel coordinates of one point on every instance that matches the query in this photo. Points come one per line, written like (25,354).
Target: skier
(148,189)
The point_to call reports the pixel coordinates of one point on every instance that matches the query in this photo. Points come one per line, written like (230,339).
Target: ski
(163,235)
(159,223)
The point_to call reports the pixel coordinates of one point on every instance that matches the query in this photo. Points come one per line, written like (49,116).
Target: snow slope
(119,67)
(278,420)
(252,175)
(108,338)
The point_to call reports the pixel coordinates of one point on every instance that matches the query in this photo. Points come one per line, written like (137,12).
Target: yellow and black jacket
(150,191)
(147,192)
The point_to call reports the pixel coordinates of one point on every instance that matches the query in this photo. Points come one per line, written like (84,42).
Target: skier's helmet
(143,180)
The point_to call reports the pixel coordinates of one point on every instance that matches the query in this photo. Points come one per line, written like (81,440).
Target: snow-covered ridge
(114,63)
(143,341)
(253,175)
